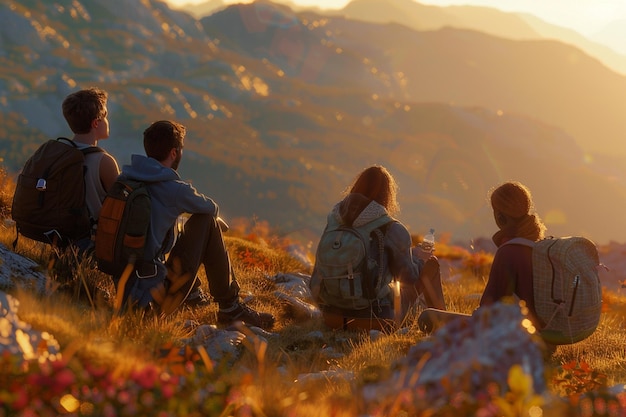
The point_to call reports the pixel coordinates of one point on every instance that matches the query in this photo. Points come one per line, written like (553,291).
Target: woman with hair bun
(511,273)
(512,269)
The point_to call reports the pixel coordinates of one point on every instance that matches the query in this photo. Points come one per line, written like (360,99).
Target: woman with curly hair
(372,199)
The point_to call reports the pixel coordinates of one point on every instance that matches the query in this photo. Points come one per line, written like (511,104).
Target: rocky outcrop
(470,356)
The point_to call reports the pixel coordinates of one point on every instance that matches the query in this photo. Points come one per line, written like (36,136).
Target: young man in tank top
(86,114)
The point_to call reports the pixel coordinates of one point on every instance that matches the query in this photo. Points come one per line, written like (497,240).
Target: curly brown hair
(377,183)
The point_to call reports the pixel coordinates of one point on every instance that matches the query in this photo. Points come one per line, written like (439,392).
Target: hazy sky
(585,16)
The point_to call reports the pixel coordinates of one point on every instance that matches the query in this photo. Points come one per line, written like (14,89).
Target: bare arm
(108,171)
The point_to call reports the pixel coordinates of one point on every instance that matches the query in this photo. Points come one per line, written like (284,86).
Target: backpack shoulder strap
(85,151)
(519,241)
(375,227)
(91,149)
(67,141)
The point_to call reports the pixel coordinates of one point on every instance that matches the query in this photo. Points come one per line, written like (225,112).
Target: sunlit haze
(584,16)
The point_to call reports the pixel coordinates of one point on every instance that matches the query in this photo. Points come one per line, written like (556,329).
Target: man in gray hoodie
(168,283)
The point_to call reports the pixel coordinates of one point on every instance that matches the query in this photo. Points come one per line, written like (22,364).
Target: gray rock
(301,310)
(295,284)
(220,345)
(316,335)
(293,289)
(16,270)
(19,339)
(375,335)
(469,355)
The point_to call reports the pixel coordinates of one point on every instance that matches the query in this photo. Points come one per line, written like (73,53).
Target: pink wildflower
(62,380)
(146,377)
(21,398)
(167,391)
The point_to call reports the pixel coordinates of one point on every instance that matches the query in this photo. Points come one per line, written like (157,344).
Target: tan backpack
(567,289)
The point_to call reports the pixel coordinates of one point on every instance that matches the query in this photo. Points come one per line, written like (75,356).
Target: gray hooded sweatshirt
(170,197)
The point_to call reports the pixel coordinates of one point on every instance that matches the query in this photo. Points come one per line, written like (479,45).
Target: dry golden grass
(7,189)
(87,328)
(605,350)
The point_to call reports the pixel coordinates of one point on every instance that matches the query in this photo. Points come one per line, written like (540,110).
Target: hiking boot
(197,298)
(247,315)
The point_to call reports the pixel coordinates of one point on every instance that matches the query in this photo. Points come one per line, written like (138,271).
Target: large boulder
(470,356)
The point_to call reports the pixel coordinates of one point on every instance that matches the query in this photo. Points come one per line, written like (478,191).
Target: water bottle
(428,243)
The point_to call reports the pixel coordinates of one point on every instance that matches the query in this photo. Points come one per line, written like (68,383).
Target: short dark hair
(83,107)
(160,137)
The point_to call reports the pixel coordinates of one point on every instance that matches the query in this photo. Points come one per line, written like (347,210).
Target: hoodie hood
(147,169)
(357,210)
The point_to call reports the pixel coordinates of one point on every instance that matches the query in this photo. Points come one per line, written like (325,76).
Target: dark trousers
(201,242)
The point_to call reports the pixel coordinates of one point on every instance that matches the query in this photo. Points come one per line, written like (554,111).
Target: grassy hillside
(136,364)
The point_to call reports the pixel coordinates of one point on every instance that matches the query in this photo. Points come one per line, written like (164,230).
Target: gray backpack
(346,275)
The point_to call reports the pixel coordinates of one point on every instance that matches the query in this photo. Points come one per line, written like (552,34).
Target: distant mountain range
(284,108)
(614,35)
(608,45)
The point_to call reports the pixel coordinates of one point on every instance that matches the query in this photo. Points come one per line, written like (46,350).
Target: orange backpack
(122,226)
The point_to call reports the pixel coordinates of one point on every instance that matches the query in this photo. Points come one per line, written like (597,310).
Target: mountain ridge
(512,25)
(282,116)
(462,67)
